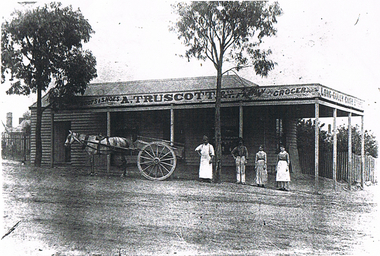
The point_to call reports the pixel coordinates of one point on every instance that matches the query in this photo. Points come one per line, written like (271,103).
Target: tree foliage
(43,47)
(228,31)
(26,115)
(306,135)
(370,142)
(44,44)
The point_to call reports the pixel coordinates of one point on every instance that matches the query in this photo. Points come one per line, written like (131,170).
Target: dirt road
(66,212)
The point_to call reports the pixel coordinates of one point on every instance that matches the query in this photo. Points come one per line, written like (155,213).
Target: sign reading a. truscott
(228,95)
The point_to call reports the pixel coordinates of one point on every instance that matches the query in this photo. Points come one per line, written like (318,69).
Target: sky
(333,43)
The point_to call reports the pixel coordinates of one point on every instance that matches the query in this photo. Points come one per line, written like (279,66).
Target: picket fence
(326,166)
(15,146)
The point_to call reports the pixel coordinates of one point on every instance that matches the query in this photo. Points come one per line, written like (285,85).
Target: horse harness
(97,148)
(84,142)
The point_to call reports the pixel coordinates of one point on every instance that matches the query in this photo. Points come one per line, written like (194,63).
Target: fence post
(24,135)
(368,168)
(52,139)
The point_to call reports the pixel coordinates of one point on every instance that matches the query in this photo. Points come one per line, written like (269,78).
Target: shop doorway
(62,154)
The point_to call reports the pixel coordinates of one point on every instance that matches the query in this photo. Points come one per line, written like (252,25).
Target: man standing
(240,154)
(206,152)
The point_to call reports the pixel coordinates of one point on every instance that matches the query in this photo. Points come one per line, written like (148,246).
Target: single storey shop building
(182,110)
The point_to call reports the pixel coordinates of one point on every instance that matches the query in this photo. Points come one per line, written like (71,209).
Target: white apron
(205,168)
(282,171)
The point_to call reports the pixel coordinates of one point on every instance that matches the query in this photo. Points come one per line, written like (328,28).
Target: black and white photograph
(190,127)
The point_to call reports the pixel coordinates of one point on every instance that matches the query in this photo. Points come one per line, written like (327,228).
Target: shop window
(229,138)
(280,138)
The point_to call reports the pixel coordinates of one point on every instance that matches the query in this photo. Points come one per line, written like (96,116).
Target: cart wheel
(156,161)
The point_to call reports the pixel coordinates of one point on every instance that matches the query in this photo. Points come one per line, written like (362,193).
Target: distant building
(15,141)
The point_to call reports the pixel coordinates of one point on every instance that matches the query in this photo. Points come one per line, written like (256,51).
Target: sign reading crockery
(228,95)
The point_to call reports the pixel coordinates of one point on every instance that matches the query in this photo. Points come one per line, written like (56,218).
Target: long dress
(240,153)
(205,167)
(282,169)
(261,168)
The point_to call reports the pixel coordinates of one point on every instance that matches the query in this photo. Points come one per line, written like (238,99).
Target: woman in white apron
(206,152)
(283,174)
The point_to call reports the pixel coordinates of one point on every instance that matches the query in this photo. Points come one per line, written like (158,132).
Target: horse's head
(69,139)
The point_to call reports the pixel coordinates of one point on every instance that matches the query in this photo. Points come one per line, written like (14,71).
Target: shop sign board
(228,95)
(338,97)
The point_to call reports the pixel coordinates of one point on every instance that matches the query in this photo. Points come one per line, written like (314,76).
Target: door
(61,153)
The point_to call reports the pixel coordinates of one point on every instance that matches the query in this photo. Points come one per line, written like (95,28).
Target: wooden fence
(15,146)
(326,166)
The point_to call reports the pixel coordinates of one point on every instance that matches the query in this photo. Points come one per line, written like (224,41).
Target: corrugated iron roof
(160,85)
(165,85)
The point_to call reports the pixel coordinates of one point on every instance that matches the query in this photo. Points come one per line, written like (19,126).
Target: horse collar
(86,139)
(84,143)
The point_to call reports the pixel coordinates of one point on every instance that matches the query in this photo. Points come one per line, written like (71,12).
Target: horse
(100,145)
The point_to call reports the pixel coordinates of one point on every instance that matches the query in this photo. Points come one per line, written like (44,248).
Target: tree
(44,45)
(226,31)
(26,115)
(25,124)
(306,135)
(370,143)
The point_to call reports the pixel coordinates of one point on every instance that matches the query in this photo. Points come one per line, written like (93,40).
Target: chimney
(9,119)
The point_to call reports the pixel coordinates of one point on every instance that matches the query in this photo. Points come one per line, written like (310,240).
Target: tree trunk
(38,157)
(218,132)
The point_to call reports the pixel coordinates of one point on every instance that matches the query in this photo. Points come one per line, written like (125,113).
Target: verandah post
(335,147)
(316,144)
(362,153)
(240,119)
(349,169)
(108,135)
(171,125)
